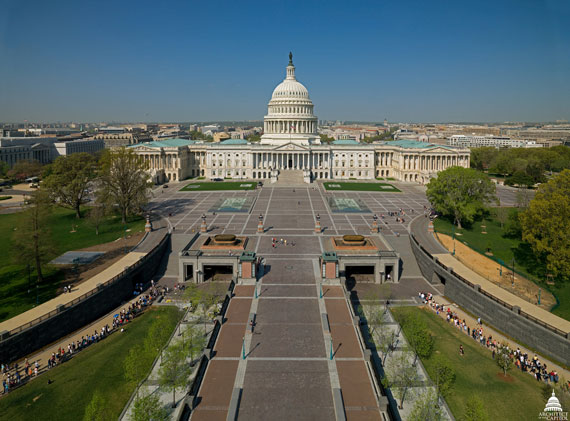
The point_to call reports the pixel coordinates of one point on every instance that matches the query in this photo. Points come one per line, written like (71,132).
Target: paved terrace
(287,372)
(149,242)
(428,241)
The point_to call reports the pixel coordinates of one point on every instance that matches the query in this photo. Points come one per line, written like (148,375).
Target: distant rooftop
(234,142)
(345,142)
(166,143)
(413,144)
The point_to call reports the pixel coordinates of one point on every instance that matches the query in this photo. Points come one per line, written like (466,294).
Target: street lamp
(332,348)
(243,348)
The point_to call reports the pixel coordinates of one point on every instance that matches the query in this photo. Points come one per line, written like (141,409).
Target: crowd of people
(14,375)
(275,242)
(522,360)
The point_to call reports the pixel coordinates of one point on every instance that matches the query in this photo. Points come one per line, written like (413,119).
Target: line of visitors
(13,375)
(521,359)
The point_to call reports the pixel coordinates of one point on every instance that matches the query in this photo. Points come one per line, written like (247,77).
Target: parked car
(165,186)
(218,179)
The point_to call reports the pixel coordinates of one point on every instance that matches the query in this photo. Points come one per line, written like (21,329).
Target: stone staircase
(290,178)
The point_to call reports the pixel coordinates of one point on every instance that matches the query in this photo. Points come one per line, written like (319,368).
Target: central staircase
(290,178)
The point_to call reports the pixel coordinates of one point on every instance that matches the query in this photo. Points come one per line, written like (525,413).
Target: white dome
(553,404)
(290,88)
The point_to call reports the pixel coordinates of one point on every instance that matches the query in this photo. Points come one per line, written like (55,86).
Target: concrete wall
(85,312)
(503,318)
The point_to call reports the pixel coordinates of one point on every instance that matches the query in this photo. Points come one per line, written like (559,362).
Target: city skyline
(203,62)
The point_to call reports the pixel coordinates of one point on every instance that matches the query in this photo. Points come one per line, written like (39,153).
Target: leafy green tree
(69,180)
(426,408)
(401,375)
(418,336)
(97,409)
(461,193)
(174,372)
(504,359)
(124,181)
(513,225)
(32,236)
(444,376)
(546,224)
(502,215)
(475,410)
(520,178)
(158,333)
(482,158)
(4,168)
(254,138)
(137,359)
(326,139)
(204,297)
(148,408)
(193,342)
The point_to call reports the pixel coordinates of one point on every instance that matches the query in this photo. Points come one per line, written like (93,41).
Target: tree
(254,138)
(461,193)
(504,359)
(382,337)
(444,375)
(193,342)
(158,333)
(546,224)
(482,158)
(426,408)
(4,168)
(96,216)
(475,410)
(204,297)
(148,408)
(523,199)
(502,215)
(326,139)
(32,236)
(401,375)
(69,179)
(97,409)
(137,359)
(520,178)
(124,181)
(24,169)
(174,372)
(418,336)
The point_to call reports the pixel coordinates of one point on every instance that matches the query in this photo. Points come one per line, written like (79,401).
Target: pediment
(439,149)
(142,148)
(291,147)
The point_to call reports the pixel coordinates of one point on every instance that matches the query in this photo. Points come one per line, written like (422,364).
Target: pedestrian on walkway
(461,350)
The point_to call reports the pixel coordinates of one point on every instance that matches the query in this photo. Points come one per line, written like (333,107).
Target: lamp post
(332,355)
(453,238)
(321,290)
(243,348)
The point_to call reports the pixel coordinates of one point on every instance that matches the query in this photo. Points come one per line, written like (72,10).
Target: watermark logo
(553,410)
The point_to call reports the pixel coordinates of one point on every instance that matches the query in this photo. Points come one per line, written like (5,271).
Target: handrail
(89,293)
(496,299)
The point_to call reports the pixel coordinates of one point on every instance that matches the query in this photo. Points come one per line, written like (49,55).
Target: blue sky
(220,60)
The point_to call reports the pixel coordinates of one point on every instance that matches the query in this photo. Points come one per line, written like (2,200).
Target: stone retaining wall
(85,312)
(499,315)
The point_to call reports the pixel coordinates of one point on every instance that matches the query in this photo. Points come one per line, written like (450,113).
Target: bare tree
(124,181)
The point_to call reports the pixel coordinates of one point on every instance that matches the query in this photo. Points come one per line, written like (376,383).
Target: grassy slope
(517,398)
(100,367)
(14,297)
(384,187)
(505,249)
(220,185)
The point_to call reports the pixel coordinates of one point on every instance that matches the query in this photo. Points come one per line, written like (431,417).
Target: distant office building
(490,141)
(82,145)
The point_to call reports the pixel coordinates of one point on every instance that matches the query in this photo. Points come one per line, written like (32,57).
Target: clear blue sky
(220,60)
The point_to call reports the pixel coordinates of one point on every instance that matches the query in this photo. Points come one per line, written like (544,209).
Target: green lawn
(220,185)
(383,187)
(507,248)
(98,368)
(14,296)
(519,397)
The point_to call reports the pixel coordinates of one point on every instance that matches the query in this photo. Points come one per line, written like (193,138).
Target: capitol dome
(290,117)
(553,404)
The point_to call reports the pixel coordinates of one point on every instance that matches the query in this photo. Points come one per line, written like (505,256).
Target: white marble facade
(291,142)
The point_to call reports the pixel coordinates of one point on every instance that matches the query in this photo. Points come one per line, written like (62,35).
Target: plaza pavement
(287,372)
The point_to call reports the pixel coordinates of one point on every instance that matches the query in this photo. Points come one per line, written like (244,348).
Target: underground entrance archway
(221,273)
(360,273)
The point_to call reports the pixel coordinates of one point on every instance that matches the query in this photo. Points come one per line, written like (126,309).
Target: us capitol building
(291,143)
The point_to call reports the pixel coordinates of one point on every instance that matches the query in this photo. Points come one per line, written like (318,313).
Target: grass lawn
(99,367)
(506,248)
(517,397)
(220,185)
(383,187)
(14,296)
